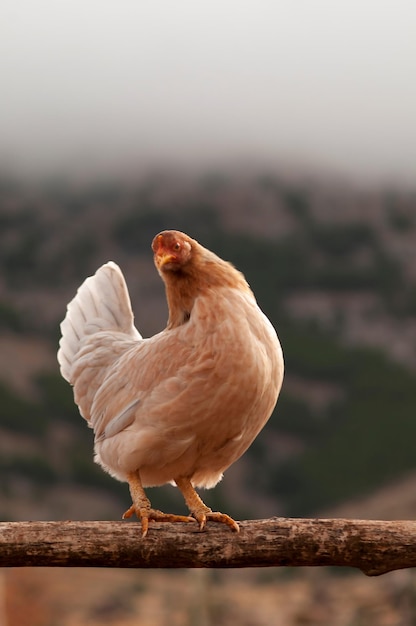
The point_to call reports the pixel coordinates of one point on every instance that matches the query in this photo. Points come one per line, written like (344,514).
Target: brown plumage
(183,405)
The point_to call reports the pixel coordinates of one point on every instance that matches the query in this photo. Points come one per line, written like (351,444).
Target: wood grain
(374,547)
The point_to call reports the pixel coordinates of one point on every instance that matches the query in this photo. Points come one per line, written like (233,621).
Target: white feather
(101,303)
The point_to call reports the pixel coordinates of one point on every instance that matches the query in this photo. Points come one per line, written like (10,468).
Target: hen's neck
(184,287)
(181,297)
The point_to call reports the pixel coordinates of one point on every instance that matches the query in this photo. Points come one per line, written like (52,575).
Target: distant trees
(51,238)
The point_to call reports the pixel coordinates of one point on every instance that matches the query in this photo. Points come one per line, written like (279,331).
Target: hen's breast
(190,400)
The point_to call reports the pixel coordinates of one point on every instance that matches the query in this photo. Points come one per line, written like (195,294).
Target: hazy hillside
(333,267)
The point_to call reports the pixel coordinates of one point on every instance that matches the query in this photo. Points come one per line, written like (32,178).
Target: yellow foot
(201,512)
(146,514)
(203,516)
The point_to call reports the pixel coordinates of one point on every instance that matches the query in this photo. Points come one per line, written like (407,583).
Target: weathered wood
(374,547)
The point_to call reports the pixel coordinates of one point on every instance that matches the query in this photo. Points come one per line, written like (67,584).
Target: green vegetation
(10,317)
(367,438)
(20,415)
(57,398)
(364,438)
(400,216)
(341,240)
(35,468)
(297,203)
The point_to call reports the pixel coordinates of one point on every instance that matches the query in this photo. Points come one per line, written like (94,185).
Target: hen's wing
(189,399)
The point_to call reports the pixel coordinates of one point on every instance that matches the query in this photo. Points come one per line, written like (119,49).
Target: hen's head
(172,250)
(189,270)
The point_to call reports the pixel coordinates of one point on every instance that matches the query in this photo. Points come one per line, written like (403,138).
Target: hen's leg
(142,508)
(201,512)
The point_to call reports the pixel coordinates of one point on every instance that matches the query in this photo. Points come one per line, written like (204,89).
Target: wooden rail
(374,547)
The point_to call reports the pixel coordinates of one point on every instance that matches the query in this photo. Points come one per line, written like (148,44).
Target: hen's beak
(164,258)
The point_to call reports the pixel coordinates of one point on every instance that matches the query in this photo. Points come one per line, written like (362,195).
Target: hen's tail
(102,303)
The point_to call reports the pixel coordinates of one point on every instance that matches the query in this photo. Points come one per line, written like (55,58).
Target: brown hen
(183,405)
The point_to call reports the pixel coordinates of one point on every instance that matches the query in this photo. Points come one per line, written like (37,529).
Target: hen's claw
(201,512)
(202,517)
(145,515)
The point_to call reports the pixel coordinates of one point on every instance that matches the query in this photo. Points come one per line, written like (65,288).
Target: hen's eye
(177,246)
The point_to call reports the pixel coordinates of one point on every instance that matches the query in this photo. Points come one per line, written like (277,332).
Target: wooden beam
(374,547)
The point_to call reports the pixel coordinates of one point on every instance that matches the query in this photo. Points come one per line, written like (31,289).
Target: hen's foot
(200,511)
(146,514)
(206,515)
(142,508)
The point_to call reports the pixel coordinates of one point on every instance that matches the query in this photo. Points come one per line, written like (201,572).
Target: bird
(183,405)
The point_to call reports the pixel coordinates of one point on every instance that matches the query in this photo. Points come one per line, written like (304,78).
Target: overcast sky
(115,83)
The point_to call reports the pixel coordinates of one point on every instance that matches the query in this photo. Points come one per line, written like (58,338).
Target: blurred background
(282,135)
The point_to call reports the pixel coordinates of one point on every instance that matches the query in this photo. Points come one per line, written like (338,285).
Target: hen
(183,405)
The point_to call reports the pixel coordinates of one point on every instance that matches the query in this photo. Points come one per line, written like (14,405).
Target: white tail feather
(101,303)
